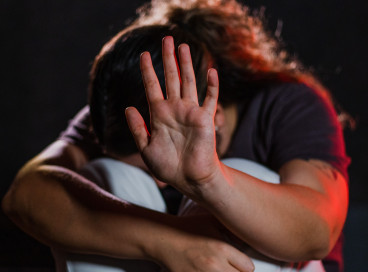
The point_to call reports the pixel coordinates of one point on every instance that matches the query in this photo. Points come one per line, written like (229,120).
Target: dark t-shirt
(280,123)
(291,121)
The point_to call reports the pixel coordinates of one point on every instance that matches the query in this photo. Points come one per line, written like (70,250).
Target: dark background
(46,51)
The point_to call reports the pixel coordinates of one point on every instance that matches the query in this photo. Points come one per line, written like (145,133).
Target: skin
(65,211)
(225,124)
(60,208)
(306,211)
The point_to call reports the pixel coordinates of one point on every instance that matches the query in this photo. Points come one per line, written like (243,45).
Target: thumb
(241,261)
(137,127)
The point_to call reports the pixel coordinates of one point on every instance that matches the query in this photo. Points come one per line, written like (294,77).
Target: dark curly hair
(116,82)
(221,33)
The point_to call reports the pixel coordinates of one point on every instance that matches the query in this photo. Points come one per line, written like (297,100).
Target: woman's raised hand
(181,149)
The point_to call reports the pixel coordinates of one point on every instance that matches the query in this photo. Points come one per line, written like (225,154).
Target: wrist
(164,244)
(216,189)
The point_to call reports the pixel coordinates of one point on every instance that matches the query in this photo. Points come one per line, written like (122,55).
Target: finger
(241,261)
(188,87)
(172,76)
(230,268)
(137,127)
(210,102)
(150,81)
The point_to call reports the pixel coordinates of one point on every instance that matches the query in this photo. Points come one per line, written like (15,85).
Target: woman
(283,119)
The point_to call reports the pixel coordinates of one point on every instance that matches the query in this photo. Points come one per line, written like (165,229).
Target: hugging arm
(60,208)
(299,219)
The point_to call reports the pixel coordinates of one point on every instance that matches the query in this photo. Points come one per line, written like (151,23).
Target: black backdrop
(47,48)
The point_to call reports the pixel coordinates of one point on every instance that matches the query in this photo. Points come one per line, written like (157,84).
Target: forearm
(290,222)
(62,209)
(84,219)
(79,217)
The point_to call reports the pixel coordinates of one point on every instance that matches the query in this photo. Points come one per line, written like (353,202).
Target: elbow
(320,251)
(13,205)
(306,251)
(321,243)
(6,205)
(312,243)
(327,234)
(10,204)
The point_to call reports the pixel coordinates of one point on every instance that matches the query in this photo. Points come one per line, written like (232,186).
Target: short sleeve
(306,127)
(79,132)
(290,121)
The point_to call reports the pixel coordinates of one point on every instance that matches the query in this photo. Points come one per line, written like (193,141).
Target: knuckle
(172,75)
(138,133)
(150,83)
(186,79)
(222,247)
(211,263)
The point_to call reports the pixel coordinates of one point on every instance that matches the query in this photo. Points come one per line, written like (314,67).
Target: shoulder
(292,102)
(299,94)
(292,121)
(286,105)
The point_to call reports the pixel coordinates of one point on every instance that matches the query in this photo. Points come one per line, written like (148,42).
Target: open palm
(181,148)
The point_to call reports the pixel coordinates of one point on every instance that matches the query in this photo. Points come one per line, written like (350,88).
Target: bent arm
(64,210)
(299,219)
